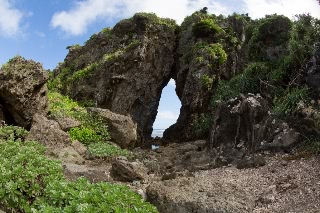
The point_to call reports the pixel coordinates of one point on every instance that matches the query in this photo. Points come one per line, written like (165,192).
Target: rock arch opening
(168,109)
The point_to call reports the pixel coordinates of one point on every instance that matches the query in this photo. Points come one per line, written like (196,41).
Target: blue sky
(42,29)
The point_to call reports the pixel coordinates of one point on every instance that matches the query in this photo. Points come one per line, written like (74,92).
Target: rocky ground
(283,185)
(287,183)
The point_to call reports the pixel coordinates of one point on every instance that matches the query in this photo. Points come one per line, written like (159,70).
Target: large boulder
(124,170)
(48,133)
(122,129)
(23,91)
(244,125)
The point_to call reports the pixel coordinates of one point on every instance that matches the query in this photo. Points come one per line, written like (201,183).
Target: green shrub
(271,31)
(247,82)
(30,182)
(207,82)
(206,28)
(285,105)
(202,124)
(25,173)
(211,54)
(106,150)
(84,135)
(12,133)
(62,106)
(84,73)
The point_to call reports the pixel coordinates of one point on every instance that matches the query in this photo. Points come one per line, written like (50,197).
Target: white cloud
(10,19)
(84,13)
(289,8)
(167,115)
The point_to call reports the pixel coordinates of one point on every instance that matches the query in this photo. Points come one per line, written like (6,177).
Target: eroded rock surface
(243,126)
(23,91)
(48,133)
(122,129)
(199,195)
(123,170)
(124,69)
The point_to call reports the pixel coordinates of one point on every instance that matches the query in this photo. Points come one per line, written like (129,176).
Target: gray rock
(67,123)
(23,91)
(79,147)
(93,174)
(122,129)
(124,170)
(244,125)
(49,133)
(69,155)
(198,195)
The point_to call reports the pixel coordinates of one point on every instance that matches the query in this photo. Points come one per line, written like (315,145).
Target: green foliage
(93,131)
(271,31)
(206,28)
(62,106)
(56,83)
(201,125)
(312,144)
(112,56)
(25,173)
(247,82)
(106,150)
(84,135)
(304,35)
(153,19)
(84,73)
(12,133)
(217,53)
(207,82)
(30,182)
(285,105)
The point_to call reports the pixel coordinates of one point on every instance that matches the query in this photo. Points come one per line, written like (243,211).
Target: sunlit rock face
(123,69)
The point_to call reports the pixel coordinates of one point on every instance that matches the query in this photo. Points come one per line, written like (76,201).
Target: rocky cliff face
(203,61)
(123,69)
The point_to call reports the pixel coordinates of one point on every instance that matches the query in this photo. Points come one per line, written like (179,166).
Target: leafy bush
(106,150)
(30,182)
(284,105)
(201,125)
(247,82)
(207,82)
(25,173)
(12,133)
(206,28)
(212,55)
(84,73)
(84,135)
(271,31)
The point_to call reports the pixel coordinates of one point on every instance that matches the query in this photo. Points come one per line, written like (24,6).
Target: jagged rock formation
(243,125)
(123,69)
(199,67)
(23,91)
